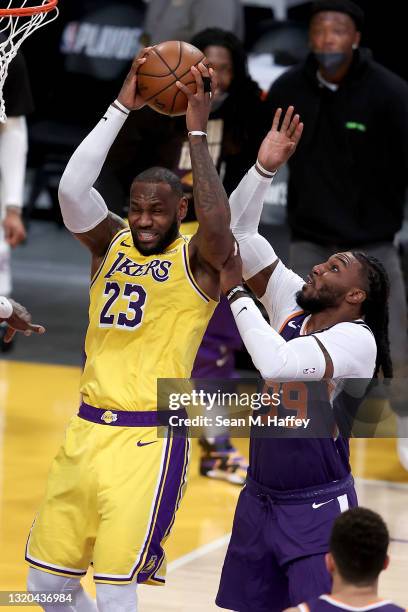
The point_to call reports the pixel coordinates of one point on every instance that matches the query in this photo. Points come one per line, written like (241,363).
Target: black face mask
(331,62)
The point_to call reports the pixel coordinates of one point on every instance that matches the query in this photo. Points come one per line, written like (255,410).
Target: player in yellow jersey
(115,486)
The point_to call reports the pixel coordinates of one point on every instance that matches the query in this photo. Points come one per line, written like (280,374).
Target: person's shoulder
(188,229)
(355,333)
(292,75)
(357,328)
(388,79)
(247,95)
(294,82)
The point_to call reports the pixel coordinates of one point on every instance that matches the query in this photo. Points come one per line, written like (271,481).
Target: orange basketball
(167,63)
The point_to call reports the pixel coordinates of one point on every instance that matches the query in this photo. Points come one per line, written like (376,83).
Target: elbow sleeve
(13,153)
(81,216)
(246,202)
(300,359)
(82,206)
(256,254)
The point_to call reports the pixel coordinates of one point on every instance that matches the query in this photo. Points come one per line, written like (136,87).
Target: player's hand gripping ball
(165,64)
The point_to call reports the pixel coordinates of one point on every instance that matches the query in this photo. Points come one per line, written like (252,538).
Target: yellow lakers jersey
(147,317)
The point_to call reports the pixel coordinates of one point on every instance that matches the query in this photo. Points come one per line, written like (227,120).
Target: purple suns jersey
(283,463)
(327,603)
(215,357)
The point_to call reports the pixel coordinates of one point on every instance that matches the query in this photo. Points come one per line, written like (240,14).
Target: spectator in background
(13,152)
(348,180)
(237,123)
(182,19)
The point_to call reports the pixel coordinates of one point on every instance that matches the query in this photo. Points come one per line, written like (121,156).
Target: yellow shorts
(111,500)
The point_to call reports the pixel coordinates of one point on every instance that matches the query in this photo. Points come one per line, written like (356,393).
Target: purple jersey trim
(190,276)
(114,239)
(165,506)
(292,326)
(55,570)
(142,556)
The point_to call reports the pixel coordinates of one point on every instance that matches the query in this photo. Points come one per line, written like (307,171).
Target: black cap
(340,6)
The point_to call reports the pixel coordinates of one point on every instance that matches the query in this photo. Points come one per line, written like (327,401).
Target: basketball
(167,63)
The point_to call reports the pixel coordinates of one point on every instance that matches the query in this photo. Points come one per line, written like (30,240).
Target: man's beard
(163,243)
(315,304)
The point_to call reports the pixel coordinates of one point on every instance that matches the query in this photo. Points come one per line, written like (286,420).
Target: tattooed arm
(213,238)
(213,242)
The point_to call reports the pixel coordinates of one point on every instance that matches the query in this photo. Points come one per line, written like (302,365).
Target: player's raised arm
(303,358)
(83,209)
(246,202)
(212,244)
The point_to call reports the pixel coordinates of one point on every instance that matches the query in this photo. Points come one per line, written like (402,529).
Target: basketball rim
(26,11)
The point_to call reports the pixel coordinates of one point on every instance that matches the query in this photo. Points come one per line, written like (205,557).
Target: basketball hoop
(17,22)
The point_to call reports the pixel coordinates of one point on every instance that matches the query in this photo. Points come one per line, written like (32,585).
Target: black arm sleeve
(17,92)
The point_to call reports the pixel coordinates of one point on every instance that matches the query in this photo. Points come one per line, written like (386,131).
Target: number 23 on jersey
(124,306)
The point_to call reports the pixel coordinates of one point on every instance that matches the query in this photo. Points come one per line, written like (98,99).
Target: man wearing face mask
(348,179)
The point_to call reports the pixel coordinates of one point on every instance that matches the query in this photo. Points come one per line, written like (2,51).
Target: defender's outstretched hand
(128,95)
(20,320)
(280,143)
(199,103)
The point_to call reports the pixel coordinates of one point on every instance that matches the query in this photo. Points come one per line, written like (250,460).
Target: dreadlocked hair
(242,80)
(375,309)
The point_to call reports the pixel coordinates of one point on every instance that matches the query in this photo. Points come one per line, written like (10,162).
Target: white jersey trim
(45,565)
(343,606)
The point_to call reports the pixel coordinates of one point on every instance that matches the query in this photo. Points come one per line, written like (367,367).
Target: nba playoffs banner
(292,409)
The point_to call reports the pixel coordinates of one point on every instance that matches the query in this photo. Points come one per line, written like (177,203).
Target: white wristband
(197,133)
(262,169)
(120,106)
(6,309)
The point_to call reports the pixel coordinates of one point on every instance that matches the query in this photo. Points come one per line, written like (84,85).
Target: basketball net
(17,22)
